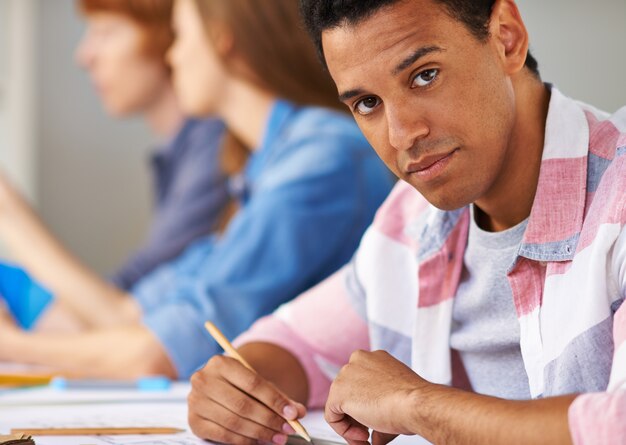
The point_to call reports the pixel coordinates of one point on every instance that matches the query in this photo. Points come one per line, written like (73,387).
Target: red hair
(154,16)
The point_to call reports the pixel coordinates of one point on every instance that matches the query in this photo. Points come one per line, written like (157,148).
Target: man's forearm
(278,366)
(446,415)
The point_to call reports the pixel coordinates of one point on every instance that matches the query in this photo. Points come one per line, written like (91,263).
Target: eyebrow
(349,94)
(414,57)
(410,60)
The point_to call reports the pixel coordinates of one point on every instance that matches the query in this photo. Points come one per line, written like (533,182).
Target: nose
(405,124)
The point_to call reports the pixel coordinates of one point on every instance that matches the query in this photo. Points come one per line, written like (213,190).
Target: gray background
(92,183)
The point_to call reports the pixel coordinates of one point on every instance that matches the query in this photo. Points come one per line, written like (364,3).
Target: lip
(429,167)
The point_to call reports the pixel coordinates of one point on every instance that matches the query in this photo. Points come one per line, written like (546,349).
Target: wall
(93,183)
(581,47)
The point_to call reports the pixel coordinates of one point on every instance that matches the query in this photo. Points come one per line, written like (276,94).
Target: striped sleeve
(321,328)
(600,418)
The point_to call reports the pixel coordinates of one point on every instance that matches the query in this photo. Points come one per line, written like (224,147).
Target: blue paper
(25,298)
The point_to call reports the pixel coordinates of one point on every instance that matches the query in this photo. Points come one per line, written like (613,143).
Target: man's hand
(230,404)
(374,390)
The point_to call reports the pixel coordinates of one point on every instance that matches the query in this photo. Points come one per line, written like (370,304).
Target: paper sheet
(89,409)
(50,396)
(173,414)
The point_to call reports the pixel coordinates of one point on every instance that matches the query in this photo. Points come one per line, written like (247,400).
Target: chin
(448,202)
(195,108)
(118,109)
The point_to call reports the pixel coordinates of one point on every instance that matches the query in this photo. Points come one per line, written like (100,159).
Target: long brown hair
(269,35)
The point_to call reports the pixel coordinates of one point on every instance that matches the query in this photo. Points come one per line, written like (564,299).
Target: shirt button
(543,263)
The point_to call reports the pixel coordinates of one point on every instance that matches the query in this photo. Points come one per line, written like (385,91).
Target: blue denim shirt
(307,195)
(190,191)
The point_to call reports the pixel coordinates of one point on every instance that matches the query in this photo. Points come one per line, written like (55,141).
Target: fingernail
(290,412)
(288,429)
(279,439)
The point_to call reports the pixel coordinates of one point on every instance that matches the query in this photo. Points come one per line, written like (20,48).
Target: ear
(508,34)
(223,39)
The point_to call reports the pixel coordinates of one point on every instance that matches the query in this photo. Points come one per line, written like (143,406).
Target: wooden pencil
(94,431)
(230,350)
(16,380)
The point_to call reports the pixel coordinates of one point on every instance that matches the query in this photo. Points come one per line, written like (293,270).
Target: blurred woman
(310,187)
(123,51)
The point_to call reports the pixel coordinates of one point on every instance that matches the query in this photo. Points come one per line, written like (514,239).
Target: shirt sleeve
(197,191)
(599,418)
(320,328)
(301,224)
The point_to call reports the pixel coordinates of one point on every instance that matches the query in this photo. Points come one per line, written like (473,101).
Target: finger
(209,430)
(245,406)
(379,438)
(252,383)
(216,413)
(345,426)
(357,442)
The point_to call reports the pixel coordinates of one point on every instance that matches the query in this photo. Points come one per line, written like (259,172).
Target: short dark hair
(320,15)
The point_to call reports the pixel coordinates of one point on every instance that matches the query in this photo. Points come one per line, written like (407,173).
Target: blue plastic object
(25,298)
(155,383)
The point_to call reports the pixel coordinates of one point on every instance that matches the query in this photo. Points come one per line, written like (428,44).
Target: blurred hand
(8,331)
(6,188)
(373,391)
(229,403)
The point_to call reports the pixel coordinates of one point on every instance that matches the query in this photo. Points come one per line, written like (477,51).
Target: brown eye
(366,105)
(424,78)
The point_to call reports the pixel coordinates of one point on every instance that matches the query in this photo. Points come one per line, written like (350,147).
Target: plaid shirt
(568,282)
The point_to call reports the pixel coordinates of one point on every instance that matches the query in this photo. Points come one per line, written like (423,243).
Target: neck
(164,116)
(246,112)
(511,198)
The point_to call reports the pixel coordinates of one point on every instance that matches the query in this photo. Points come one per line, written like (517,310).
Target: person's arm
(124,352)
(190,202)
(376,391)
(93,300)
(598,418)
(293,352)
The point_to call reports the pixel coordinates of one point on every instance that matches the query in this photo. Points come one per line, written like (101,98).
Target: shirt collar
(240,185)
(169,149)
(279,114)
(556,216)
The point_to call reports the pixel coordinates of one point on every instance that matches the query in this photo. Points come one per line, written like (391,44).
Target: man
(492,277)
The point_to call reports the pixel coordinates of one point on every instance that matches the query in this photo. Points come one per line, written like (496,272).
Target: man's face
(433,100)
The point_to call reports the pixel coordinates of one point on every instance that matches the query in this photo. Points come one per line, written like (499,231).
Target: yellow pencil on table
(230,350)
(95,431)
(20,380)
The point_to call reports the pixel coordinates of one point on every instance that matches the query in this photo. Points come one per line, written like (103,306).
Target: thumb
(382,438)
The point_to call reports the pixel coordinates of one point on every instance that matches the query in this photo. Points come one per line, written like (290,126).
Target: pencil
(94,431)
(14,380)
(230,350)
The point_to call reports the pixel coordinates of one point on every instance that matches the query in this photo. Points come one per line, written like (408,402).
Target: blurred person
(123,50)
(310,187)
